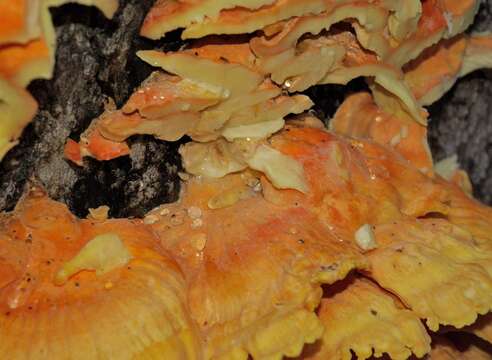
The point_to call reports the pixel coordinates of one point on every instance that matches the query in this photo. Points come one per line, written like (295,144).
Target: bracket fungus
(55,306)
(289,239)
(380,324)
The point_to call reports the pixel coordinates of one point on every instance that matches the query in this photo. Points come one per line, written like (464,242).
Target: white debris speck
(150,219)
(365,239)
(251,181)
(395,140)
(196,223)
(357,144)
(199,241)
(194,212)
(164,212)
(257,187)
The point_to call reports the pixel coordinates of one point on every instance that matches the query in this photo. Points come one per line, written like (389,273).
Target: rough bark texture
(95,58)
(461,122)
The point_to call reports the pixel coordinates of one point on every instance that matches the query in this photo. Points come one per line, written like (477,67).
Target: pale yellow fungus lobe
(100,213)
(102,254)
(283,171)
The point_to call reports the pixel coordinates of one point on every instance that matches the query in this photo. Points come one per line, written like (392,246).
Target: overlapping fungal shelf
(243,77)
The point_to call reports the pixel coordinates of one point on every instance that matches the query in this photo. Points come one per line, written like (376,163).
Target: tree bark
(461,122)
